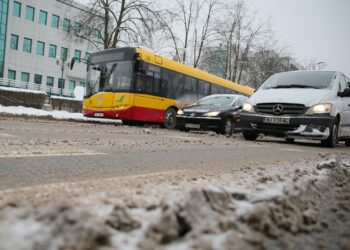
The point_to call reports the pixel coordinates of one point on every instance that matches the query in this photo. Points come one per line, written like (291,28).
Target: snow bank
(23,90)
(55,114)
(290,215)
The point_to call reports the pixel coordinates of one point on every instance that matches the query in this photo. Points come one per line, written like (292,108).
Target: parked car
(218,112)
(300,104)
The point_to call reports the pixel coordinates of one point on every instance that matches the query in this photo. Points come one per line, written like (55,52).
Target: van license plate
(99,114)
(276,120)
(191,125)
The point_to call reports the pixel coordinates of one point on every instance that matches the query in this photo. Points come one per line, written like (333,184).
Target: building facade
(36,47)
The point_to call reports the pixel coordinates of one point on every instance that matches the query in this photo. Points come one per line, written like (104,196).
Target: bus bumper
(110,114)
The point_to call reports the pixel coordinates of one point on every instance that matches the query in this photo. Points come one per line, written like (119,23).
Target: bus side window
(203,88)
(190,90)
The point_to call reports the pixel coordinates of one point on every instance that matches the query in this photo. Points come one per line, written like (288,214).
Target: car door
(344,129)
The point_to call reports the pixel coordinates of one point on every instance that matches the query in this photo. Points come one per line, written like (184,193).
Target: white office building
(35,47)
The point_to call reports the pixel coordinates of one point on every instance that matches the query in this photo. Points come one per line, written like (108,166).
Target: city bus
(136,85)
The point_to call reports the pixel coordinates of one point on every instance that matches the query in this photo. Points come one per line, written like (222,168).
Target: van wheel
(347,143)
(170,119)
(332,140)
(228,126)
(250,136)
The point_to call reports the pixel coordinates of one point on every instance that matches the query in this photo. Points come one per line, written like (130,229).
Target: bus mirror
(72,61)
(139,66)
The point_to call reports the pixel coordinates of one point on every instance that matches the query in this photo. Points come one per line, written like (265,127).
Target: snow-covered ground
(305,207)
(55,114)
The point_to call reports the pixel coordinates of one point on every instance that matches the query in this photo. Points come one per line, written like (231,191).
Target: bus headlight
(320,109)
(211,114)
(247,107)
(180,112)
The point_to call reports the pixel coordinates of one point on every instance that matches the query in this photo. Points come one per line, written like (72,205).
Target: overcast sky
(313,29)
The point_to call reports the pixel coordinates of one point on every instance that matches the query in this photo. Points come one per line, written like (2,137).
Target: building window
(11,74)
(66,24)
(40,48)
(17,9)
(14,42)
(64,53)
(77,55)
(30,11)
(71,85)
(24,77)
(77,27)
(52,50)
(98,35)
(82,84)
(87,54)
(55,20)
(49,81)
(61,83)
(43,17)
(27,45)
(38,79)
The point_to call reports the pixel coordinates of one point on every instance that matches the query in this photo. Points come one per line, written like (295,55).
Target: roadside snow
(61,115)
(23,90)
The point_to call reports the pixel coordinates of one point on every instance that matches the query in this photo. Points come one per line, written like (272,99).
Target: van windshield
(300,79)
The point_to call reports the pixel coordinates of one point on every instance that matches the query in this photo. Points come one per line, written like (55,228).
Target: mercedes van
(300,104)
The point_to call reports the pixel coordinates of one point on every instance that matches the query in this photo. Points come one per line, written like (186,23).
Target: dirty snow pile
(55,114)
(311,210)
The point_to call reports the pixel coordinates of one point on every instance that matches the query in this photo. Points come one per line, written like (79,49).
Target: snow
(23,90)
(65,98)
(56,114)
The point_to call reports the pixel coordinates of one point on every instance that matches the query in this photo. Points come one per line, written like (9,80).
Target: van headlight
(324,108)
(247,107)
(180,112)
(212,114)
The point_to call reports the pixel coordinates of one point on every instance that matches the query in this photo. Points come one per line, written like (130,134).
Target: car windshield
(109,77)
(300,79)
(217,100)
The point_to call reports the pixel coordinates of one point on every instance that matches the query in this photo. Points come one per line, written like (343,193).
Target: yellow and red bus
(133,84)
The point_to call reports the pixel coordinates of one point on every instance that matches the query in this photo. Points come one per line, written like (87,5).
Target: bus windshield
(109,77)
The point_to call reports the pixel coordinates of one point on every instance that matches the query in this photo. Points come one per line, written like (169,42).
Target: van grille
(288,108)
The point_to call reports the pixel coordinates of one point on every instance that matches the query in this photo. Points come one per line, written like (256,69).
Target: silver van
(300,104)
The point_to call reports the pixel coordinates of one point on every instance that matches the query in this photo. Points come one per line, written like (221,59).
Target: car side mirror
(345,93)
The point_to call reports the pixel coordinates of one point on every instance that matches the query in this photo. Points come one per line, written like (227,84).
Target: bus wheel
(170,119)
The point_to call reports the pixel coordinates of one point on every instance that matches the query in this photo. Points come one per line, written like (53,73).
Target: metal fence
(33,86)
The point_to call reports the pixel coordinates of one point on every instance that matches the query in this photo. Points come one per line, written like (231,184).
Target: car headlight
(247,107)
(211,114)
(320,109)
(180,112)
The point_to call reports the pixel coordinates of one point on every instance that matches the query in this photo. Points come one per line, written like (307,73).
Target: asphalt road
(36,151)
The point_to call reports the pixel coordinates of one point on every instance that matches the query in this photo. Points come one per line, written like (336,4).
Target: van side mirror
(345,93)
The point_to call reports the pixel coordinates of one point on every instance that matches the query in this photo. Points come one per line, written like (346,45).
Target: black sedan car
(215,112)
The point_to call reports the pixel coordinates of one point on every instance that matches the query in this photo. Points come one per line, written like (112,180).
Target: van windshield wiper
(293,86)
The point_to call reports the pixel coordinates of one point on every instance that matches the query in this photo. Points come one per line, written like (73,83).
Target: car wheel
(250,136)
(290,140)
(332,140)
(347,143)
(170,119)
(228,126)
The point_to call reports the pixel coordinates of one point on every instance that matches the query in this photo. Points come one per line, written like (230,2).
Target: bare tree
(111,23)
(188,26)
(266,62)
(237,32)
